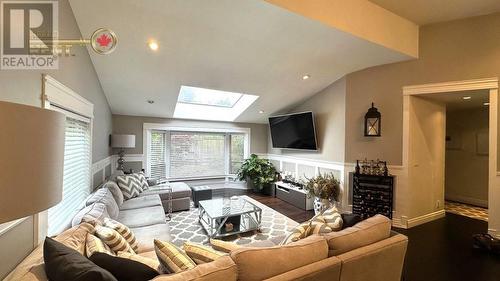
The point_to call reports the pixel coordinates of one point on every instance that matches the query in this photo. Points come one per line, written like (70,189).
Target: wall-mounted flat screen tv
(293,131)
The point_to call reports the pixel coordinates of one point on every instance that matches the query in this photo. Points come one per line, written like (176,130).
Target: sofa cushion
(113,239)
(94,197)
(146,234)
(284,258)
(96,245)
(142,217)
(141,202)
(363,233)
(129,185)
(172,258)
(63,263)
(105,196)
(76,236)
(200,253)
(124,269)
(221,269)
(93,213)
(115,190)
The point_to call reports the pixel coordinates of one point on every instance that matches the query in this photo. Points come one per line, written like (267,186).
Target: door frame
(490,84)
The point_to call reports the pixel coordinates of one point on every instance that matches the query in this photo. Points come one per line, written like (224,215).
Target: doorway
(466,130)
(424,148)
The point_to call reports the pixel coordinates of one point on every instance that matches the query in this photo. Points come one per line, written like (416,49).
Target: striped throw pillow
(113,239)
(299,232)
(201,254)
(95,245)
(142,179)
(153,263)
(124,231)
(129,185)
(332,218)
(172,258)
(223,246)
(318,225)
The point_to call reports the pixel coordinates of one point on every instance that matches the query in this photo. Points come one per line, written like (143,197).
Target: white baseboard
(425,218)
(467,200)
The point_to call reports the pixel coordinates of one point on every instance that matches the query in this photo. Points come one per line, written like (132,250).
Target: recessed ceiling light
(151,101)
(261,111)
(153,45)
(305,77)
(486,103)
(466,98)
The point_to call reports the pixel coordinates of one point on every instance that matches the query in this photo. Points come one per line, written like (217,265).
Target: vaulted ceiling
(244,46)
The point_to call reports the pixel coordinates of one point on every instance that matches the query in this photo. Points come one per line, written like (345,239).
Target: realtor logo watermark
(28,32)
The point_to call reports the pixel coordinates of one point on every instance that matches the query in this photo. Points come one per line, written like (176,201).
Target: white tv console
(293,195)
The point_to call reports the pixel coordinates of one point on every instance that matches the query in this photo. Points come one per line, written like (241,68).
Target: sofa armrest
(323,270)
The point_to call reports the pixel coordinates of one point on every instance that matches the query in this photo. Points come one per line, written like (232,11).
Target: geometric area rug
(184,226)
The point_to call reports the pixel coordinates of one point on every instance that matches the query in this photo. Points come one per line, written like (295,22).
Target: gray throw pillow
(115,191)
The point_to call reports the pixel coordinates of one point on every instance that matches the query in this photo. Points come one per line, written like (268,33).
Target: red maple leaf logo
(103,40)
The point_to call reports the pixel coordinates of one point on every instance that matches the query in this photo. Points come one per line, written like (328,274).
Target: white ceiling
(454,100)
(424,12)
(244,46)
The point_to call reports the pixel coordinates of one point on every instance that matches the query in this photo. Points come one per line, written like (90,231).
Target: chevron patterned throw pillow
(129,185)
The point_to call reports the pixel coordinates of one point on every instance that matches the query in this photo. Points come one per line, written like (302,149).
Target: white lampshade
(31,160)
(123,141)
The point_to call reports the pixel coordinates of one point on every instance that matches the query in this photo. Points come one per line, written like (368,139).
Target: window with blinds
(176,154)
(158,168)
(195,154)
(76,181)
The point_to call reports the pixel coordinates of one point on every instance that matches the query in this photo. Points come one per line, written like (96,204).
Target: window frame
(58,97)
(150,127)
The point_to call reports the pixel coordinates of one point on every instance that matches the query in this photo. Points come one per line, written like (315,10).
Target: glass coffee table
(215,213)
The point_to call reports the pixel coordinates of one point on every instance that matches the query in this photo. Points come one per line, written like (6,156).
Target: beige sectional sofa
(368,251)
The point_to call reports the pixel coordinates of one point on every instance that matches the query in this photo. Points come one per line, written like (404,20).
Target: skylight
(209,104)
(204,96)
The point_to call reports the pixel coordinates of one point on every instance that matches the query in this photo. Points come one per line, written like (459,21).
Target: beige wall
(123,124)
(467,172)
(328,107)
(457,50)
(24,86)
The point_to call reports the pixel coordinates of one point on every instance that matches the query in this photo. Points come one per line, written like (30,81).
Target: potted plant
(258,172)
(326,190)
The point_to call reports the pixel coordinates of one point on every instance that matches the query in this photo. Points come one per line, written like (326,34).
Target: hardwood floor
(283,207)
(437,251)
(442,250)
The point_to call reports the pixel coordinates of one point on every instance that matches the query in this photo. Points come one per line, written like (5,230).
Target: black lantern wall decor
(372,122)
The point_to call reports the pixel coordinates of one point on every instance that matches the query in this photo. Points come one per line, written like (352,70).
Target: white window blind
(76,181)
(197,154)
(177,154)
(237,151)
(158,155)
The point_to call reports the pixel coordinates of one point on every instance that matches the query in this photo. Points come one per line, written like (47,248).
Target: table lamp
(31,161)
(122,142)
